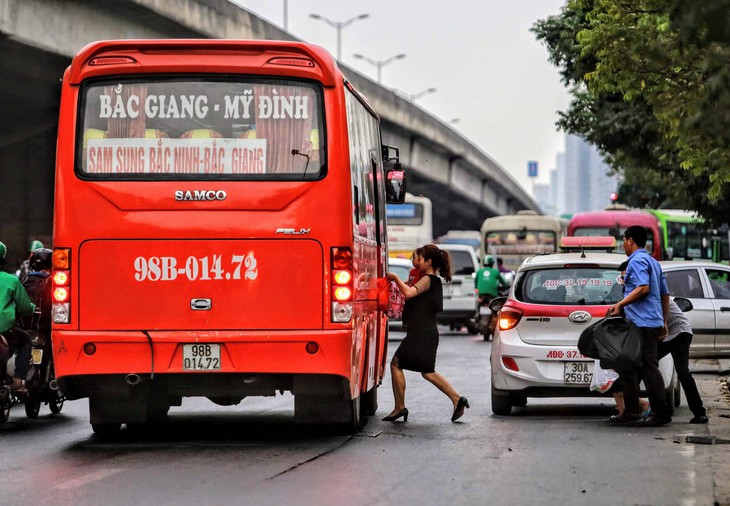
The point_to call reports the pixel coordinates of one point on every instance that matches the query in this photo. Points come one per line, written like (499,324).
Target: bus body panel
(194,284)
(410,226)
(113,228)
(519,236)
(614,222)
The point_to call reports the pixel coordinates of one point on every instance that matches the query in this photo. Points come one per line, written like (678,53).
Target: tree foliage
(650,84)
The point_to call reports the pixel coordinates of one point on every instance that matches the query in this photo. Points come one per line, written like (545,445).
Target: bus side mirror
(395,185)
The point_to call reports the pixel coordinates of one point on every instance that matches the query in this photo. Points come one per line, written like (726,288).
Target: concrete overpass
(39,37)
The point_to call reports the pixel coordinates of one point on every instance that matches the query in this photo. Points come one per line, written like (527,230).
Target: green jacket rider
(489,279)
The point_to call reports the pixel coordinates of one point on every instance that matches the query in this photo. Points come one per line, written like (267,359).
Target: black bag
(615,341)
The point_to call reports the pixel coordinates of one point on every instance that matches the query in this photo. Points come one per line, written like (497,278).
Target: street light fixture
(418,95)
(379,64)
(339,25)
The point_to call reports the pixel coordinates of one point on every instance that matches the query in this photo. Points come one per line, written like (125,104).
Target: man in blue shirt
(644,284)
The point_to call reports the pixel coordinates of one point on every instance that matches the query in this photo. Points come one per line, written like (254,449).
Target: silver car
(707,285)
(553,298)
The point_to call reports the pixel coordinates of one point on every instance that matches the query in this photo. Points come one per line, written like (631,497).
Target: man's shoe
(624,418)
(699,419)
(656,421)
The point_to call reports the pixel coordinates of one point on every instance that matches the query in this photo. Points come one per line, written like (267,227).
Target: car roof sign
(579,243)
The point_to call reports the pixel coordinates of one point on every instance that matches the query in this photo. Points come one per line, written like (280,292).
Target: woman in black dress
(417,352)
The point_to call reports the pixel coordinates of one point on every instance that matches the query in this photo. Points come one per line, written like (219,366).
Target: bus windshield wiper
(296,152)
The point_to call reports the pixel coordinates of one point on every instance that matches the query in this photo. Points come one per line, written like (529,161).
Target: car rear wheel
(501,402)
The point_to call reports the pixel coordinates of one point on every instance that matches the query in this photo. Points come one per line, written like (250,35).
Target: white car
(460,297)
(553,298)
(707,286)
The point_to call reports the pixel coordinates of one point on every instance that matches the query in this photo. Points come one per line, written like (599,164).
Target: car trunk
(552,326)
(226,284)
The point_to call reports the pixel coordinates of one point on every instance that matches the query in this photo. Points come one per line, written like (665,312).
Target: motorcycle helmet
(40,259)
(488,261)
(3,253)
(34,245)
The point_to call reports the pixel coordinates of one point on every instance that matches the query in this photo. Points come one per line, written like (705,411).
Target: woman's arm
(421,285)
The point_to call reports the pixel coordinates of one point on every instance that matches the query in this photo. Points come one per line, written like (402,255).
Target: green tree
(645,78)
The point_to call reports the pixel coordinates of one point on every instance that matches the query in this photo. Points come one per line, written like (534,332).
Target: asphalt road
(554,451)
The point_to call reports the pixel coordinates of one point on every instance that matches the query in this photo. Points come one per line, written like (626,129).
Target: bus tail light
(341,284)
(61,282)
(509,318)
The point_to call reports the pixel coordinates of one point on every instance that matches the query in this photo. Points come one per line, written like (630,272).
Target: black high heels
(392,418)
(459,409)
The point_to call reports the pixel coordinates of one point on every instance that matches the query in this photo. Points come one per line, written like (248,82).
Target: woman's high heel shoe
(392,418)
(459,409)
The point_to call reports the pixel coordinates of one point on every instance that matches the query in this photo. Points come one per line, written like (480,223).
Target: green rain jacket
(489,280)
(13,297)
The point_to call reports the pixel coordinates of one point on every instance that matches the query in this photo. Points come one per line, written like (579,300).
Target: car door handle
(724,309)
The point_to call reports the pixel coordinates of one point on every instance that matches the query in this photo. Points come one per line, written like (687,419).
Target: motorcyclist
(13,298)
(38,286)
(489,280)
(24,268)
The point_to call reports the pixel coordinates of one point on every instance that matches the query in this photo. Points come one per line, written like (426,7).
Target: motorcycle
(487,318)
(40,381)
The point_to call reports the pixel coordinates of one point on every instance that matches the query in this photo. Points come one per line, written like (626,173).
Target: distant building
(580,181)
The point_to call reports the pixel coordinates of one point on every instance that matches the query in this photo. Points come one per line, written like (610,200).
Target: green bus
(684,236)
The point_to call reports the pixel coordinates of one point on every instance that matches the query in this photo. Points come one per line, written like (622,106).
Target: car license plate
(37,354)
(201,357)
(484,310)
(577,373)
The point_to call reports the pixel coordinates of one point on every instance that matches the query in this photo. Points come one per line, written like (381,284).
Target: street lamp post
(339,25)
(379,64)
(421,93)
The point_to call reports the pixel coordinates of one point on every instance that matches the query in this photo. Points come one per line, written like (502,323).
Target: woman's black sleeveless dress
(417,352)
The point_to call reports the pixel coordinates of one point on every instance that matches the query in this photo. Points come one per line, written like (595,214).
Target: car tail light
(509,318)
(510,363)
(61,282)
(341,284)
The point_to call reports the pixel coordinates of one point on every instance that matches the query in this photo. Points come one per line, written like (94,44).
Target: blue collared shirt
(643,270)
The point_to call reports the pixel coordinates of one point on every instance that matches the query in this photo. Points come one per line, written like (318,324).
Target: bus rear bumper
(251,363)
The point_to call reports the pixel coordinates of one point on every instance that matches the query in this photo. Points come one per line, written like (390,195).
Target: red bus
(613,222)
(219,230)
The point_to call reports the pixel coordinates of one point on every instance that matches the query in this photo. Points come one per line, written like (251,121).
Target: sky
(492,77)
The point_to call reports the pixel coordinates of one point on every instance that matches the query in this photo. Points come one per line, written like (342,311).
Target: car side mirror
(496,304)
(684,304)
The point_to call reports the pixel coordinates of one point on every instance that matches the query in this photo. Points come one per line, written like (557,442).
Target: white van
(460,298)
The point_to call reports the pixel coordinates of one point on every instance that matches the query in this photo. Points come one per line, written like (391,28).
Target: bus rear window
(201,128)
(404,214)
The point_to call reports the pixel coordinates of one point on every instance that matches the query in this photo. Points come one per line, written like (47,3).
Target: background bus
(214,202)
(684,237)
(410,225)
(466,237)
(613,222)
(518,236)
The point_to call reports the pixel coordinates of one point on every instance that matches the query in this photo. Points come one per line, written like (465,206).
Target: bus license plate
(577,373)
(201,357)
(37,354)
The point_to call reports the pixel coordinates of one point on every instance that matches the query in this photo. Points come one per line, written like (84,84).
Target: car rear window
(568,286)
(462,263)
(400,270)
